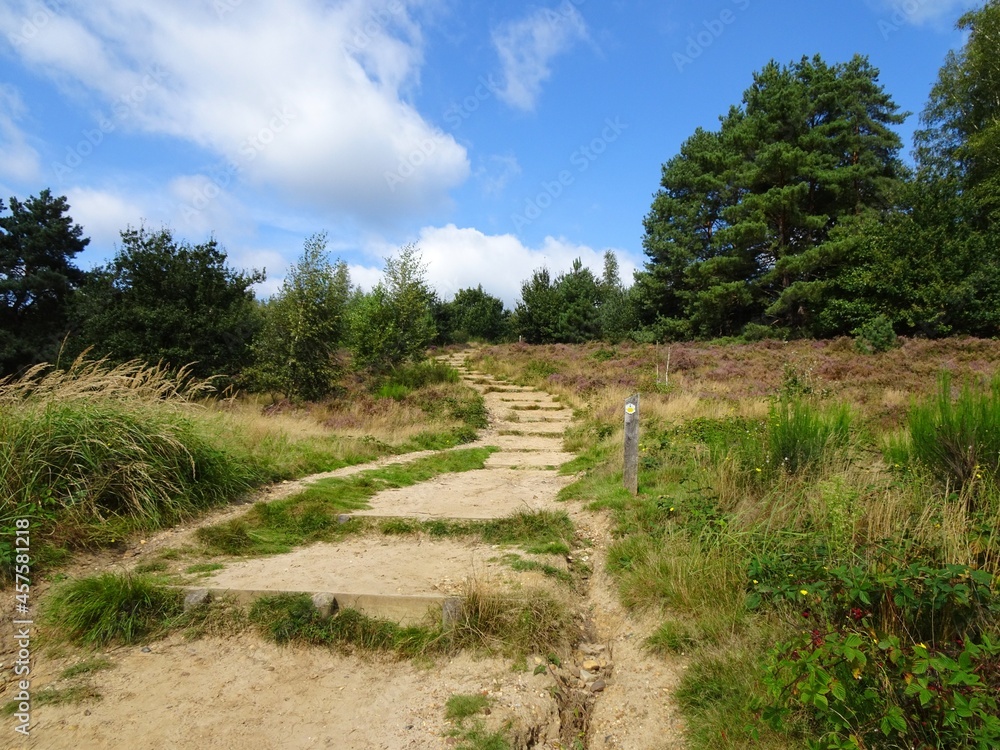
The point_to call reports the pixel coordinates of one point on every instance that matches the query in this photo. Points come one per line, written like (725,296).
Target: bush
(875,336)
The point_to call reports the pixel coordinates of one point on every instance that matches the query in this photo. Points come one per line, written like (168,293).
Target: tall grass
(96,445)
(958,439)
(111,609)
(96,451)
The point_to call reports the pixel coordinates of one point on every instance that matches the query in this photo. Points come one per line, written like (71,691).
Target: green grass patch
(312,515)
(53,696)
(111,609)
(203,568)
(529,622)
(958,437)
(520,564)
(537,532)
(87,666)
(292,618)
(153,566)
(542,532)
(460,706)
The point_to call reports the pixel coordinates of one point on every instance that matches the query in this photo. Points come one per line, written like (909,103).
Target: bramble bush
(904,657)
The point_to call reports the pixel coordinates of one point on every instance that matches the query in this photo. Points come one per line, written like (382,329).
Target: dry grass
(97,380)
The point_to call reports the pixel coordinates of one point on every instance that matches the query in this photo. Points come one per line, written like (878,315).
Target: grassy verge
(122,609)
(312,515)
(830,571)
(94,453)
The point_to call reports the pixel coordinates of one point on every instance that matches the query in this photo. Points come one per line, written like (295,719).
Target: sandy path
(242,692)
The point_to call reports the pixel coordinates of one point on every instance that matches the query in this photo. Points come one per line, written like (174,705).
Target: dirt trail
(243,692)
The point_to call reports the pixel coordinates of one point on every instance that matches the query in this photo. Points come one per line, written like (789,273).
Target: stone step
(399,608)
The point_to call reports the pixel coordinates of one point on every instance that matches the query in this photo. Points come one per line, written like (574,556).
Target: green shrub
(958,440)
(111,608)
(899,656)
(875,336)
(422,374)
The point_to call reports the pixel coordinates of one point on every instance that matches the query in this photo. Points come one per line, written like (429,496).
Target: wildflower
(804,592)
(755,580)
(857,673)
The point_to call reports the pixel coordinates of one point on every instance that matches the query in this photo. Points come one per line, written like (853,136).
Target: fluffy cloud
(310,98)
(527,46)
(458,258)
(18,159)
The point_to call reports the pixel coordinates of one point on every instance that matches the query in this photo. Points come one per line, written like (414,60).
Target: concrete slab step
(402,609)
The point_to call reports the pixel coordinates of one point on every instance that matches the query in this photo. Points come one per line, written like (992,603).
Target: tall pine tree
(741,230)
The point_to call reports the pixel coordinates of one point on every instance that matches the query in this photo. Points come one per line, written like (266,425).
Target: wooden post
(631,472)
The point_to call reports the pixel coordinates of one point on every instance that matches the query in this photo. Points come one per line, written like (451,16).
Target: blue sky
(499,137)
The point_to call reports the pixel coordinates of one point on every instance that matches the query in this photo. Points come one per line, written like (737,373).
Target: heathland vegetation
(817,532)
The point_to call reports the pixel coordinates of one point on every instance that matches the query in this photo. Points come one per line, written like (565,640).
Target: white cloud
(18,159)
(306,97)
(459,258)
(528,45)
(920,12)
(103,214)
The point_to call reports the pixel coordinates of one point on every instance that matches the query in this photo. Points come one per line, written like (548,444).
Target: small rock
(587,676)
(591,665)
(598,686)
(87,712)
(147,650)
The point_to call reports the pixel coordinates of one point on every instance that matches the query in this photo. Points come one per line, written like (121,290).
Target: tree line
(795,217)
(160,299)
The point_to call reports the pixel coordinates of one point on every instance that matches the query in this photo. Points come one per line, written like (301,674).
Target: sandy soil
(242,692)
(490,493)
(216,694)
(375,565)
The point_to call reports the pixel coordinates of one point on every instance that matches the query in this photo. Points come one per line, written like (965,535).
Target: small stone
(591,665)
(598,686)
(196,598)
(87,712)
(147,650)
(587,676)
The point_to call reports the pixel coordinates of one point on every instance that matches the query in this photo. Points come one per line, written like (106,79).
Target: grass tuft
(111,608)
(459,707)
